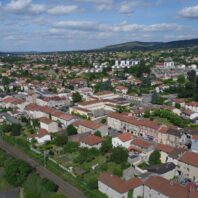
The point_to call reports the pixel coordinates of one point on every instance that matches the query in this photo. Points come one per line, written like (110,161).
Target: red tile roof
(165,148)
(167,188)
(141,143)
(190,158)
(41,133)
(62,115)
(45,120)
(88,124)
(124,137)
(92,140)
(101,93)
(118,184)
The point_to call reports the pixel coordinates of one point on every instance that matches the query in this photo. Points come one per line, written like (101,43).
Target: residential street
(64,187)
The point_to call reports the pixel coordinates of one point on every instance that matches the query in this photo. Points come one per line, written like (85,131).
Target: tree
(16,172)
(71,147)
(71,130)
(98,133)
(49,185)
(119,155)
(106,145)
(121,109)
(6,127)
(192,76)
(154,158)
(16,129)
(61,139)
(156,99)
(147,114)
(177,105)
(76,97)
(181,79)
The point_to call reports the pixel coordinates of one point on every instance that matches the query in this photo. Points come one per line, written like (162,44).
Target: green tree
(16,172)
(119,155)
(98,133)
(181,79)
(106,145)
(61,139)
(16,129)
(76,97)
(154,158)
(71,147)
(71,130)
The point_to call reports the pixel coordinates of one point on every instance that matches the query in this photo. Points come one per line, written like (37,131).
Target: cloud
(18,5)
(29,8)
(190,12)
(59,10)
(100,5)
(127,7)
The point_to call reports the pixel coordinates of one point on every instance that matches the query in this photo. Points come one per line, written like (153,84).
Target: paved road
(64,187)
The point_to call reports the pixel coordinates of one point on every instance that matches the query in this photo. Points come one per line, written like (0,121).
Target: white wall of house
(151,193)
(188,171)
(111,193)
(97,146)
(51,128)
(164,157)
(117,142)
(194,145)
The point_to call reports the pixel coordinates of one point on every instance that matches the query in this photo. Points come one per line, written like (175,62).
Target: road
(64,187)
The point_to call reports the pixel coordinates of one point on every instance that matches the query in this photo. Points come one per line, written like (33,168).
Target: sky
(60,25)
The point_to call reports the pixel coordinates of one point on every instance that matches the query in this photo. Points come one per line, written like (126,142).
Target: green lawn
(3,183)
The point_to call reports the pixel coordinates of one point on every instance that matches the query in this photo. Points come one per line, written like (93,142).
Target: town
(121,124)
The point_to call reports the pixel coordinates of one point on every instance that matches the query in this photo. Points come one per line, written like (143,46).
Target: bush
(60,139)
(71,130)
(154,158)
(16,172)
(93,183)
(71,147)
(119,155)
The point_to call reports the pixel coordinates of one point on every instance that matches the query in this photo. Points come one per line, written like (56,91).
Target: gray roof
(162,168)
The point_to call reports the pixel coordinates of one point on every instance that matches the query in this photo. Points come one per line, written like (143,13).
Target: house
(121,89)
(10,102)
(91,141)
(190,115)
(41,137)
(84,126)
(174,137)
(165,150)
(167,170)
(158,187)
(123,140)
(186,137)
(188,166)
(194,143)
(142,145)
(115,187)
(193,106)
(105,95)
(138,127)
(78,83)
(63,118)
(49,125)
(179,101)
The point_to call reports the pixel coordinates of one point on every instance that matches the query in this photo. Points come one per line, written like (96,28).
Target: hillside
(136,45)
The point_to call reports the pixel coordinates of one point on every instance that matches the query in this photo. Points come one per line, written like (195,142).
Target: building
(63,118)
(91,141)
(158,187)
(194,143)
(41,137)
(84,126)
(188,166)
(114,187)
(123,140)
(49,125)
(165,150)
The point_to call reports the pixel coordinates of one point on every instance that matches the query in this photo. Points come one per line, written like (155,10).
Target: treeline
(19,174)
